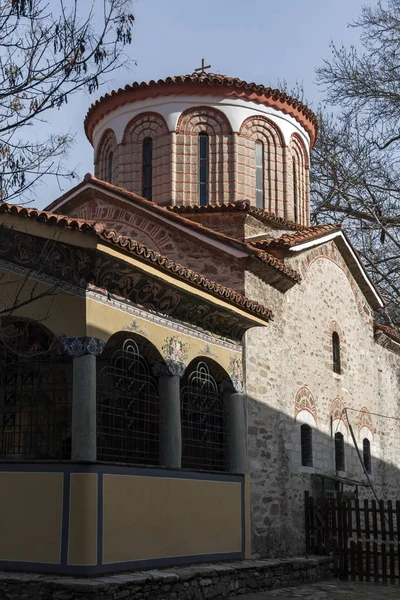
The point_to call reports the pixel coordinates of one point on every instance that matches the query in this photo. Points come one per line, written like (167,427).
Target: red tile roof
(163,211)
(240,206)
(201,83)
(307,234)
(133,247)
(392,333)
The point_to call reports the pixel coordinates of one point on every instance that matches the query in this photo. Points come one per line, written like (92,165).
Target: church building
(183,355)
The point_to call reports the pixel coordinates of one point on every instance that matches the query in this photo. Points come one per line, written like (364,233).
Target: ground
(330,590)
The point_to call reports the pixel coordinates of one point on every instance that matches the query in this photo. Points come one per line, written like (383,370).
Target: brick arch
(298,166)
(203,118)
(146,125)
(305,401)
(191,123)
(365,420)
(335,327)
(260,128)
(107,144)
(337,411)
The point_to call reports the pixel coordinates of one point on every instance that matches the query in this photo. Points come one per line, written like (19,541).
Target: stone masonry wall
(290,380)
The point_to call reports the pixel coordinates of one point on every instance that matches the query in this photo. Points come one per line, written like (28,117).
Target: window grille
(339,452)
(203,169)
(306,446)
(35,396)
(147,175)
(127,407)
(336,353)
(259,174)
(204,443)
(110,167)
(367,454)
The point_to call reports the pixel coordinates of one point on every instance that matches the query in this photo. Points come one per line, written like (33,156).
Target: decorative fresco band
(80,346)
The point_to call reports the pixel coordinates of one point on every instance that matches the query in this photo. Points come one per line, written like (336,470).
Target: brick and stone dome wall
(147,140)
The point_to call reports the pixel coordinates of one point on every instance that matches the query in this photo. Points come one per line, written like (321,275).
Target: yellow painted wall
(82,547)
(148,517)
(31,517)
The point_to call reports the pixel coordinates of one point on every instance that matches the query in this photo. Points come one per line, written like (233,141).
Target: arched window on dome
(203,168)
(367,454)
(295,192)
(110,167)
(259,174)
(336,353)
(339,451)
(147,174)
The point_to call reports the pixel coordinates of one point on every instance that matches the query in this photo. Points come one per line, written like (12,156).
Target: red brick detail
(365,420)
(253,129)
(338,412)
(106,146)
(129,175)
(297,156)
(191,123)
(334,327)
(304,401)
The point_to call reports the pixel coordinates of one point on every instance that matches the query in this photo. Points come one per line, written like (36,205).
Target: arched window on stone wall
(147,165)
(128,412)
(192,124)
(367,454)
(203,168)
(299,172)
(306,445)
(146,168)
(339,452)
(336,353)
(203,417)
(259,156)
(265,182)
(35,393)
(105,157)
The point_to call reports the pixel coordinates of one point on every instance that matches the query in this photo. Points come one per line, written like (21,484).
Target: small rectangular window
(147,175)
(339,452)
(306,446)
(259,174)
(203,169)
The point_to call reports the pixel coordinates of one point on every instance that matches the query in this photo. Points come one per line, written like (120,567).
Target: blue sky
(257,40)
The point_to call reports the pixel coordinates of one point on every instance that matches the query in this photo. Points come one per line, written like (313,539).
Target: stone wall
(293,354)
(206,582)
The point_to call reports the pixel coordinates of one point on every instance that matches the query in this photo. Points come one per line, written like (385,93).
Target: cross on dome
(203,67)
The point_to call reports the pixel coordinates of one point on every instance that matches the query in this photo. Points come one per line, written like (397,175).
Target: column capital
(81,346)
(233,385)
(168,368)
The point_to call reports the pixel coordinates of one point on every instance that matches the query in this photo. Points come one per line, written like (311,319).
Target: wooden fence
(362,536)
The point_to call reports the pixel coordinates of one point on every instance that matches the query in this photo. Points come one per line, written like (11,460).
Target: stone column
(234,400)
(84,351)
(169,375)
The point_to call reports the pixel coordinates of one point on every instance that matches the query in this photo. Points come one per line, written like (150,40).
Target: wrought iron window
(204,443)
(127,407)
(295,191)
(35,396)
(306,445)
(367,454)
(110,167)
(339,452)
(336,353)
(203,169)
(147,175)
(259,174)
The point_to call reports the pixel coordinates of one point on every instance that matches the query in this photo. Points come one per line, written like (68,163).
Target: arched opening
(259,174)
(110,169)
(367,454)
(147,173)
(35,393)
(306,445)
(295,192)
(203,417)
(128,411)
(203,168)
(336,353)
(339,452)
